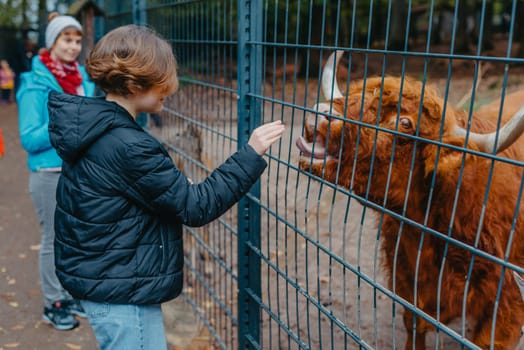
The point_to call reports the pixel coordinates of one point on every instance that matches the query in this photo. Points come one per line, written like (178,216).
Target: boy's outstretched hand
(265,135)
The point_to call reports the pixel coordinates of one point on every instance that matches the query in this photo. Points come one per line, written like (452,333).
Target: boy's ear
(449,159)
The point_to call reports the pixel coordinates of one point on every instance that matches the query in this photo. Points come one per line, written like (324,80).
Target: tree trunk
(313,65)
(398,25)
(42,22)
(519,22)
(463,38)
(24,7)
(487,35)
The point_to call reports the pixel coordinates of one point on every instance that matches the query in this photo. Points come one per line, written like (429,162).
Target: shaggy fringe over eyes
(132,59)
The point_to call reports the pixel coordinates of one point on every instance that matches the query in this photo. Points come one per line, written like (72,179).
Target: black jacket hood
(75,122)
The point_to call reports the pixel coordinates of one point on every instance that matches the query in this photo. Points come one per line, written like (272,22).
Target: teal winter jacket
(33,116)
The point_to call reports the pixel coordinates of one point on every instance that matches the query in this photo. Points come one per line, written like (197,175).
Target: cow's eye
(406,123)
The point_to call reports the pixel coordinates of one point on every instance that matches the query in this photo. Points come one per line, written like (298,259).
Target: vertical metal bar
(249,116)
(99,22)
(139,12)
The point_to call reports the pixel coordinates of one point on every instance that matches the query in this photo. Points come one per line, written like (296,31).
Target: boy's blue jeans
(123,326)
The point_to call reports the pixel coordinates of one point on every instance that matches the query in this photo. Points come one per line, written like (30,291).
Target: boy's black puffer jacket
(121,203)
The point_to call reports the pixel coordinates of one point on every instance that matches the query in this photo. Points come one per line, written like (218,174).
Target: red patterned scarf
(67,75)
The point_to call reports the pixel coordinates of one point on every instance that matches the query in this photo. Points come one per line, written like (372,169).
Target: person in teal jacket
(55,68)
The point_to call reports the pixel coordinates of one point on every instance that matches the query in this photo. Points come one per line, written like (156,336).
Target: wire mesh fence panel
(199,127)
(390,213)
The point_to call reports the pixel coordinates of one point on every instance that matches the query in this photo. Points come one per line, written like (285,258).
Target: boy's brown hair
(132,59)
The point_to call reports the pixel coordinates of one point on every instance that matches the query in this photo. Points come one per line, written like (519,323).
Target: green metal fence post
(249,116)
(139,12)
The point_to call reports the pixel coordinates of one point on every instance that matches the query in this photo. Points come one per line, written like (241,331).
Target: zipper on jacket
(163,247)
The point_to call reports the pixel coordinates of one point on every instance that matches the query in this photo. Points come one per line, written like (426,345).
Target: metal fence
(404,235)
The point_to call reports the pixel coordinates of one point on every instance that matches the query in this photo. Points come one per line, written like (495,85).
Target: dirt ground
(21,325)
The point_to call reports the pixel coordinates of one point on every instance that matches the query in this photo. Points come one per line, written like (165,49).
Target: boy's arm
(165,190)
(225,186)
(168,192)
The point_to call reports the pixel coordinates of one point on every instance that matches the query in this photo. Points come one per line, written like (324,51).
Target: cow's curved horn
(520,283)
(508,134)
(329,76)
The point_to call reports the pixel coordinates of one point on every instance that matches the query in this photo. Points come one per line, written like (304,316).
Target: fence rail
(389,229)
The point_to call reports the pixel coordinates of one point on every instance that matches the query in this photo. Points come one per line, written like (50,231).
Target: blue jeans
(130,327)
(42,186)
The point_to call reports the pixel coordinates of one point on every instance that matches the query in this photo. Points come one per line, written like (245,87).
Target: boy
(121,202)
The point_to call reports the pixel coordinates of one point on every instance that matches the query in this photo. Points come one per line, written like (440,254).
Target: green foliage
(10,14)
(21,14)
(349,20)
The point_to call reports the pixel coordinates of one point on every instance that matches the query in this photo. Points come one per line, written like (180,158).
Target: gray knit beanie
(56,26)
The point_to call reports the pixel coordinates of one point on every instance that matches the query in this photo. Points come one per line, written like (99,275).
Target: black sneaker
(59,317)
(74,307)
